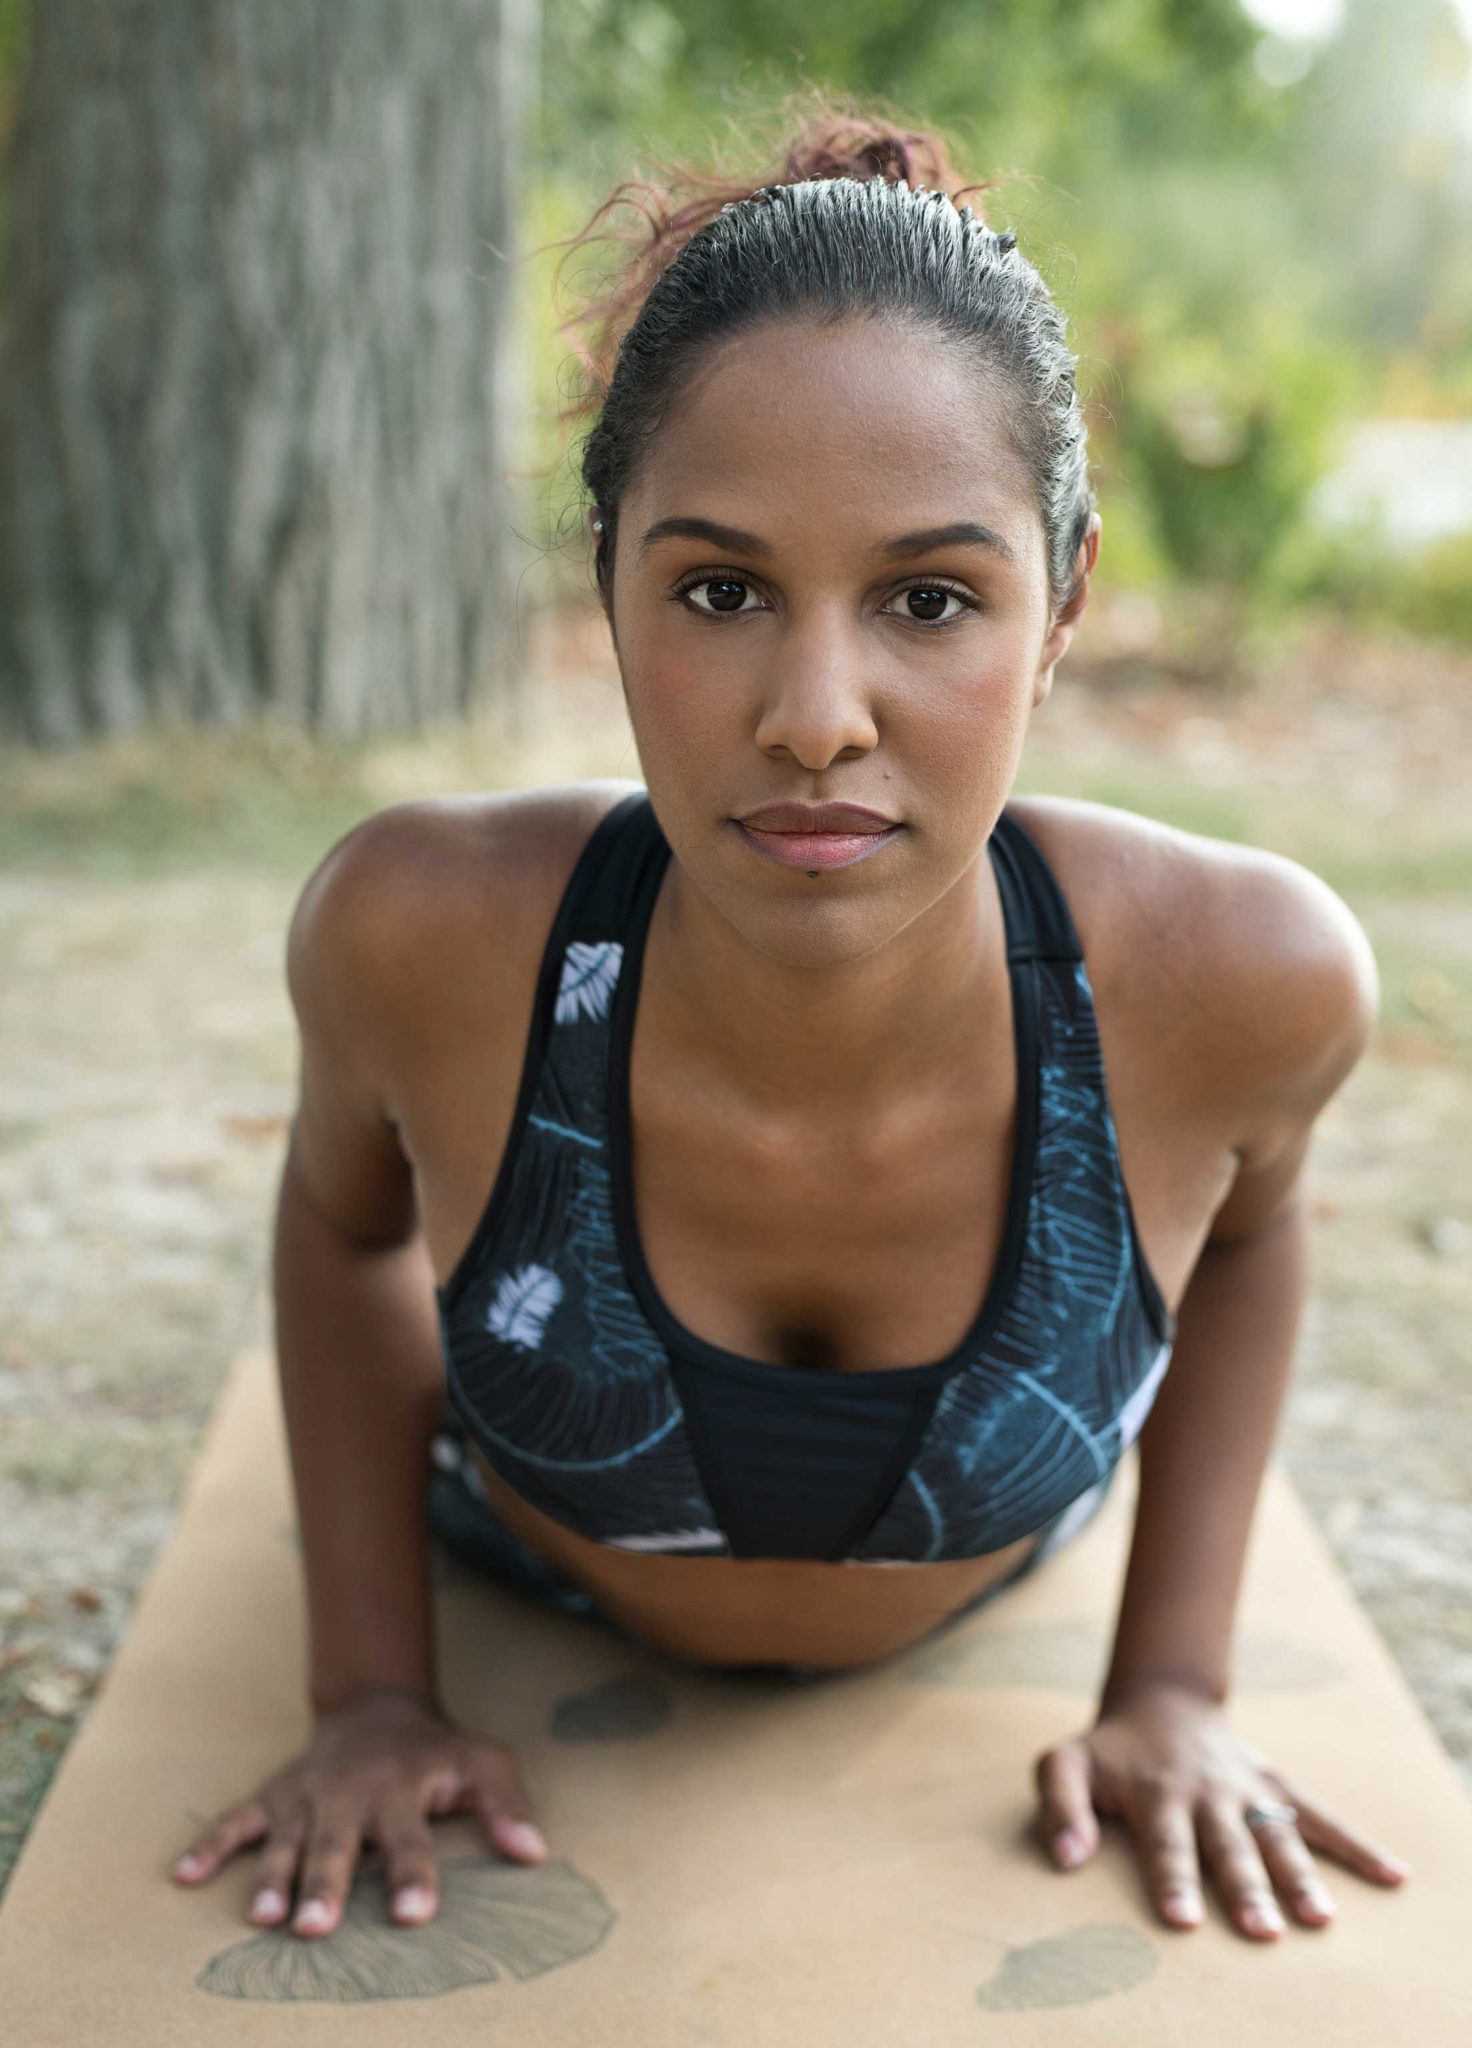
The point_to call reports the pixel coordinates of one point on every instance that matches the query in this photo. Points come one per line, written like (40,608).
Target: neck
(908,1019)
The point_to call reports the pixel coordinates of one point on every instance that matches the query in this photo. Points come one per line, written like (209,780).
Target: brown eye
(931,598)
(726,592)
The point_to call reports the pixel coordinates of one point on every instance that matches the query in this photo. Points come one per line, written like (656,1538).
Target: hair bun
(834,143)
(828,135)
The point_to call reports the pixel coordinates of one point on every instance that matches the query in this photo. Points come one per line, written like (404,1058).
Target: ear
(1066,619)
(595,535)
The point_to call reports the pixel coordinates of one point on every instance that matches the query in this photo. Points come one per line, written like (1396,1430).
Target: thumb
(1064,1776)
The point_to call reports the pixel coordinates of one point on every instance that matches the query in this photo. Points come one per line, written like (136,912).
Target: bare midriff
(756,1610)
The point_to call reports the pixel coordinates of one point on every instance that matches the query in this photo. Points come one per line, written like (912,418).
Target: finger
(1066,1817)
(1159,1819)
(333,1841)
(1237,1869)
(232,1830)
(410,1869)
(275,1872)
(1294,1872)
(1323,1832)
(495,1792)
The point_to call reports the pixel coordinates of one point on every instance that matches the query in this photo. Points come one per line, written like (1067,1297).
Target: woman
(735,1148)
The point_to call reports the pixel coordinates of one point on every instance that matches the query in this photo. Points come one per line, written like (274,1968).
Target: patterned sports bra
(583,1392)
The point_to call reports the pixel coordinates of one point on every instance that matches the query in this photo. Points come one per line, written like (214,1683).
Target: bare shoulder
(439,905)
(424,855)
(1241,963)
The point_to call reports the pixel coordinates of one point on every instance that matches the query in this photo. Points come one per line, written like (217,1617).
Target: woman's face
(803,652)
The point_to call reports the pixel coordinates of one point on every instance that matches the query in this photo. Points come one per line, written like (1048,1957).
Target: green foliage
(1008,73)
(1198,226)
(553,283)
(1226,437)
(14,42)
(1353,572)
(14,31)
(1130,556)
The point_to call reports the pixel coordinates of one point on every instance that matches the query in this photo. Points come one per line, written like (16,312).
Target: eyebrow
(959,533)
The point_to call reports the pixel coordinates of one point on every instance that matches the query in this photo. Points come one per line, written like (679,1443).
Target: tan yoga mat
(737,1862)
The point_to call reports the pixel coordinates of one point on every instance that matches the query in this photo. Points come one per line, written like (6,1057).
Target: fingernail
(1184,1905)
(415,1901)
(1394,1863)
(1067,1847)
(268,1902)
(520,1834)
(1315,1896)
(313,1914)
(1263,1919)
(189,1866)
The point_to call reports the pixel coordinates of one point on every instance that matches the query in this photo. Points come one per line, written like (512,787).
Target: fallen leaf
(58,1693)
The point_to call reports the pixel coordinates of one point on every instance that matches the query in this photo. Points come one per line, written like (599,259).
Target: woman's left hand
(1165,1760)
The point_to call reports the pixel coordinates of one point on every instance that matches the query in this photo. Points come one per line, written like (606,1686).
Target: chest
(867,1236)
(849,1245)
(835,1261)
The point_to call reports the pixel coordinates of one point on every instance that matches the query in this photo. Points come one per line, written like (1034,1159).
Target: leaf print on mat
(524,1300)
(493,1921)
(620,1707)
(1072,1968)
(588,976)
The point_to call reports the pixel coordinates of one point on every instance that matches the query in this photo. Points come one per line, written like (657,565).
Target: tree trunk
(259,382)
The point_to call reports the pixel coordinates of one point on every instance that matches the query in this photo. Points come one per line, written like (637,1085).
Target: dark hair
(862,220)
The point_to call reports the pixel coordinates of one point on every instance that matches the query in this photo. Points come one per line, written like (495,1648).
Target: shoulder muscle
(1290,995)
(409,918)
(1249,973)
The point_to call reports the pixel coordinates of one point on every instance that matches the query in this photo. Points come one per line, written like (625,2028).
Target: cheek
(968,712)
(686,730)
(683,706)
(963,745)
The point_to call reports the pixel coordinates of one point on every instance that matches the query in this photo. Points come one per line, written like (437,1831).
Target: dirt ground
(147,1068)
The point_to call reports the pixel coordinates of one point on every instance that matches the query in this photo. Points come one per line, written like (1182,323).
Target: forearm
(1202,1455)
(358,1351)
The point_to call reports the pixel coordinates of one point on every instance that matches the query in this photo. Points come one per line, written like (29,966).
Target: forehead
(869,414)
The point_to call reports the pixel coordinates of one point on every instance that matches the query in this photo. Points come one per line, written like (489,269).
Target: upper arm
(1295,999)
(396,954)
(345,945)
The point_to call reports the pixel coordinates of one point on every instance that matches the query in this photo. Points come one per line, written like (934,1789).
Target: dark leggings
(468,1527)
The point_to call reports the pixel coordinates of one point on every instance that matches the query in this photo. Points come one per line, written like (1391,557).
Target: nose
(815,702)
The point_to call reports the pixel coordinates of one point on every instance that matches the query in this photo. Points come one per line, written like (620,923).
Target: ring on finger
(1239,1865)
(1287,1856)
(1263,1812)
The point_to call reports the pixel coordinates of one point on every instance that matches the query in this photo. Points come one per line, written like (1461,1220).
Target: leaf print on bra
(524,1300)
(1142,1400)
(589,972)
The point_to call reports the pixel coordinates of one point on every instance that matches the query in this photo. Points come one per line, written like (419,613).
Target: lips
(822,850)
(812,819)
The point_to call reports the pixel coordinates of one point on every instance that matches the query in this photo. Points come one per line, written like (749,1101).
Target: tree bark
(260,387)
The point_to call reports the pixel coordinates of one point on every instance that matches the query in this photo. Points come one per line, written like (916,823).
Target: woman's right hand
(377,1767)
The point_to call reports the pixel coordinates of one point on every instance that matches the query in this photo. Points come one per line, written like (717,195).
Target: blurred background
(290,529)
